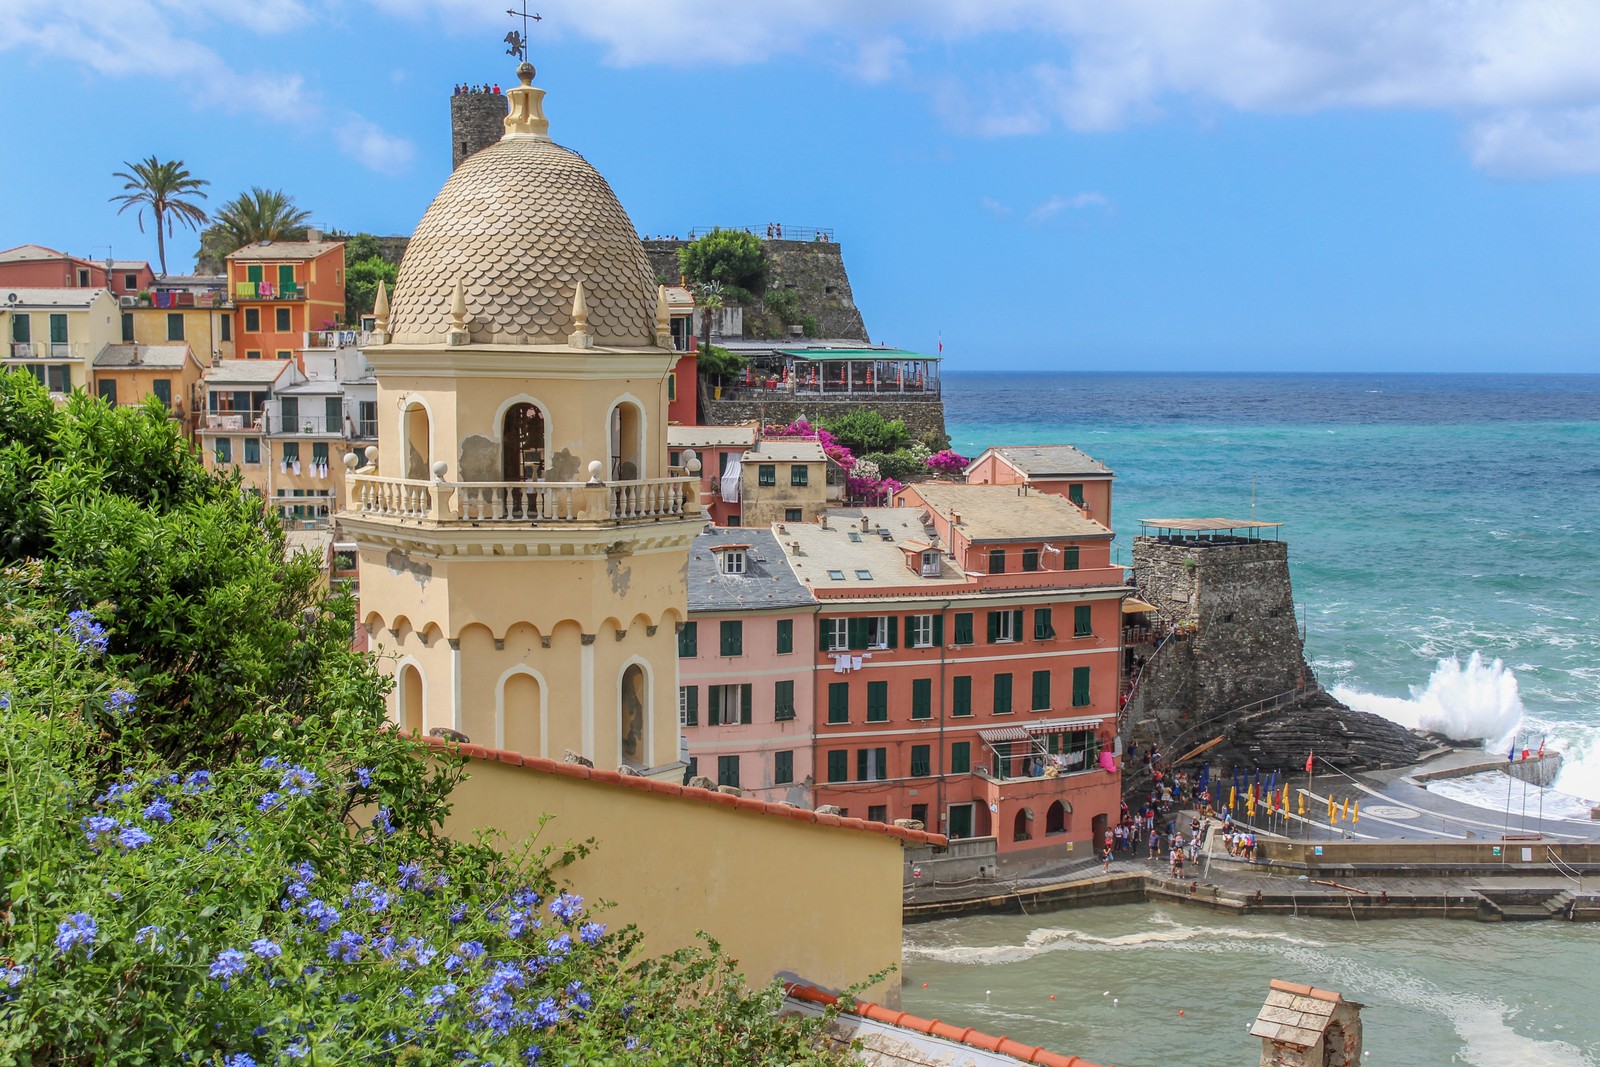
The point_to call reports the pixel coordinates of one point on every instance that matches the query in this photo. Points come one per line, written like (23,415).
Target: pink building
(38,267)
(719,449)
(1058,469)
(746,689)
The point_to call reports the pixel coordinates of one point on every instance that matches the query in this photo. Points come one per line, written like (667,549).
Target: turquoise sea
(1444,539)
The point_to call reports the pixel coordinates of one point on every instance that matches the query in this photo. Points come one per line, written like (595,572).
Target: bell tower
(523,541)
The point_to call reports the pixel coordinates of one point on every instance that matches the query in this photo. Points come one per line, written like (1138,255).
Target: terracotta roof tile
(629,781)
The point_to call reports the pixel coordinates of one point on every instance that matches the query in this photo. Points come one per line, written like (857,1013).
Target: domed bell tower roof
(519,225)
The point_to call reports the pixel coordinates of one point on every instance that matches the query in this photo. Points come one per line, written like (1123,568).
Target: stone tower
(523,543)
(477,120)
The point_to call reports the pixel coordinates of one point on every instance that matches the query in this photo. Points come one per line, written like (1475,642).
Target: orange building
(968,650)
(283,290)
(1059,469)
(132,373)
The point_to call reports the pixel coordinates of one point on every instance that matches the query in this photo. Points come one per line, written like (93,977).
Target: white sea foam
(1060,939)
(1461,701)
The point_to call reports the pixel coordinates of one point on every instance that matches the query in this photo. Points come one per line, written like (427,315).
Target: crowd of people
(1157,824)
(484,90)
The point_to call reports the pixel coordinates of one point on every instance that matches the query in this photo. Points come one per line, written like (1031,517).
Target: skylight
(865,576)
(837,576)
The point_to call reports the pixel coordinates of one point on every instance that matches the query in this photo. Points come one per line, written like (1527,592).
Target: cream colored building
(54,334)
(522,538)
(783,480)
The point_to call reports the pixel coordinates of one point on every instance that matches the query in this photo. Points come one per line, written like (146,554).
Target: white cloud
(1520,75)
(994,207)
(142,39)
(1055,205)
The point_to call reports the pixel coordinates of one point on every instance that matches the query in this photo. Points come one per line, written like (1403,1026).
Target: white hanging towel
(297,468)
(841,664)
(730,480)
(855,663)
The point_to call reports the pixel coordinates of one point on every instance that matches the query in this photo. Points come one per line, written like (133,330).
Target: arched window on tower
(523,443)
(634,705)
(415,443)
(410,697)
(627,442)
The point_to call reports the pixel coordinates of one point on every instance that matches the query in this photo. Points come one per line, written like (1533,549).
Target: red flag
(1308,761)
(1541,748)
(1524,753)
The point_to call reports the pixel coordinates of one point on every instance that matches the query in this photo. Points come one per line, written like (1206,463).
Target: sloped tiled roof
(768,581)
(25,253)
(247,371)
(276,250)
(1044,460)
(540,765)
(155,357)
(63,297)
(1008,513)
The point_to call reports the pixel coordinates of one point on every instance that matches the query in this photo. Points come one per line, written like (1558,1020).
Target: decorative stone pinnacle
(459,334)
(526,118)
(380,316)
(663,319)
(579,338)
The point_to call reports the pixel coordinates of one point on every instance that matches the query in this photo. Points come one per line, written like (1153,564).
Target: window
(783,700)
(252,320)
(22,328)
(367,418)
(58,378)
(1083,621)
(864,576)
(1080,687)
(728,771)
(1069,558)
(799,474)
(1043,628)
(930,564)
(732,643)
(285,277)
(284,353)
(226,332)
(332,414)
(83,278)
(835,634)
(319,453)
(782,768)
(997,561)
(1030,559)
(837,576)
(919,812)
(963,628)
(688,705)
(794,514)
(838,702)
(766,474)
(58,329)
(877,701)
(108,391)
(881,631)
(289,413)
(920,760)
(127,327)
(839,766)
(1075,493)
(252,353)
(961,695)
(923,631)
(162,388)
(922,698)
(732,562)
(1041,691)
(961,757)
(130,281)
(252,450)
(689,640)
(728,705)
(785,636)
(1005,626)
(674,458)
(672,390)
(174,325)
(291,451)
(872,764)
(1002,694)
(253,273)
(224,450)
(734,520)
(877,813)
(281,320)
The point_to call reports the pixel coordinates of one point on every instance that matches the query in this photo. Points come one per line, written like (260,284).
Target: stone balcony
(439,501)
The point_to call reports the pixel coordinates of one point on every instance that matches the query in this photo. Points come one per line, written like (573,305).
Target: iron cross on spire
(519,41)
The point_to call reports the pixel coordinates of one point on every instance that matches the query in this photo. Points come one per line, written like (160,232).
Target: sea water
(1444,541)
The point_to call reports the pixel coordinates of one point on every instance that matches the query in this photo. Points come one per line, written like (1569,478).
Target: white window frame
(733,561)
(1003,632)
(919,634)
(730,704)
(683,705)
(880,639)
(837,632)
(930,564)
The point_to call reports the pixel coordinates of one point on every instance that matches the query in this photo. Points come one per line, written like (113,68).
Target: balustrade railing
(642,500)
(517,501)
(397,498)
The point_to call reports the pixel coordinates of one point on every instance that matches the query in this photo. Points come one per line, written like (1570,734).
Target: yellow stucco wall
(786,898)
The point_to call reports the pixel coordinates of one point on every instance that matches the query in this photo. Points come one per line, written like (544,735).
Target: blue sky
(1050,184)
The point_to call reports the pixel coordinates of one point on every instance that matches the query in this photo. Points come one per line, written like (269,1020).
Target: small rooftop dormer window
(930,564)
(733,561)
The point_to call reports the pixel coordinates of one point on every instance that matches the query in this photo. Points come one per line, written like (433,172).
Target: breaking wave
(1464,702)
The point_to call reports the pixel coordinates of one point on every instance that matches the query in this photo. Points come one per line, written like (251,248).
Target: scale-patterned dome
(520,224)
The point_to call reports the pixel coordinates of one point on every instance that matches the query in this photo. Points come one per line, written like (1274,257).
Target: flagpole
(1510,784)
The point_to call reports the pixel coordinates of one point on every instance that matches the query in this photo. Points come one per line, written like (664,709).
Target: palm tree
(162,188)
(261,215)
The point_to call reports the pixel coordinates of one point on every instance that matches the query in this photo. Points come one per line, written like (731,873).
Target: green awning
(833,354)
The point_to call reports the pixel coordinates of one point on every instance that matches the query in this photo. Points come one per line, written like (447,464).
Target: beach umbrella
(1285,796)
(1233,798)
(1344,809)
(1355,812)
(1302,802)
(1330,807)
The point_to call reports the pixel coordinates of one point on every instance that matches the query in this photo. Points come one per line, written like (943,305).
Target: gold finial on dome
(663,319)
(526,118)
(459,333)
(579,338)
(380,316)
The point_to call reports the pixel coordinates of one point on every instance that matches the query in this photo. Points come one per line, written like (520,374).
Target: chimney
(313,235)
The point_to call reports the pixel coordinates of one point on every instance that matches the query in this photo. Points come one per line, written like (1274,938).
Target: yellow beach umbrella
(1355,812)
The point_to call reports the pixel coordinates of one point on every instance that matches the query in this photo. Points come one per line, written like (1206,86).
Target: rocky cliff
(814,270)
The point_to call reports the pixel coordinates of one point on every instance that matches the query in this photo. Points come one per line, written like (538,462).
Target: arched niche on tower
(524,442)
(520,710)
(416,439)
(411,696)
(625,428)
(633,714)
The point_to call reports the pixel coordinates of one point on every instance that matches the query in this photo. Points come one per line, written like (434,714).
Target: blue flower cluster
(82,628)
(120,702)
(77,929)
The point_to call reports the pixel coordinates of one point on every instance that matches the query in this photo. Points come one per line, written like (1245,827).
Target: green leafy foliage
(731,257)
(719,362)
(257,215)
(864,431)
(361,278)
(902,466)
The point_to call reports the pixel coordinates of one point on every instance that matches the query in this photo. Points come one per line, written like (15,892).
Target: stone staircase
(1518,905)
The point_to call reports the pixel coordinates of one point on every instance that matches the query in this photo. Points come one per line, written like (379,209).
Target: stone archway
(632,711)
(416,446)
(409,693)
(523,444)
(626,439)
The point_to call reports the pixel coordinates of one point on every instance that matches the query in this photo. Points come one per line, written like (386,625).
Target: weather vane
(519,41)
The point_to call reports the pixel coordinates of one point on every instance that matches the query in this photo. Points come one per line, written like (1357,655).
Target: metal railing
(780,231)
(642,500)
(233,420)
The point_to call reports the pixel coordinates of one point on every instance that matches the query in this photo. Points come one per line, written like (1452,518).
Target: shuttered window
(961,702)
(877,701)
(1041,690)
(1002,694)
(922,698)
(1080,687)
(838,702)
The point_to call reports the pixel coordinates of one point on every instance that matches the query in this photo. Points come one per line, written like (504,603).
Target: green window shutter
(824,632)
(691,705)
(961,704)
(1043,628)
(994,626)
(799,474)
(857,632)
(253,272)
(919,761)
(785,635)
(963,627)
(1069,558)
(689,640)
(894,631)
(922,698)
(714,705)
(883,764)
(997,561)
(22,328)
(961,757)
(732,637)
(174,325)
(839,766)
(877,701)
(285,277)
(58,329)
(1030,559)
(938,631)
(127,327)
(746,702)
(1082,620)
(1016,625)
(782,768)
(861,764)
(783,701)
(1075,493)
(766,474)
(1080,687)
(1002,694)
(838,701)
(332,414)
(1041,690)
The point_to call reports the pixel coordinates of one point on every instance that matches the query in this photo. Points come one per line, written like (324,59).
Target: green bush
(718,361)
(732,257)
(865,430)
(902,466)
(784,303)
